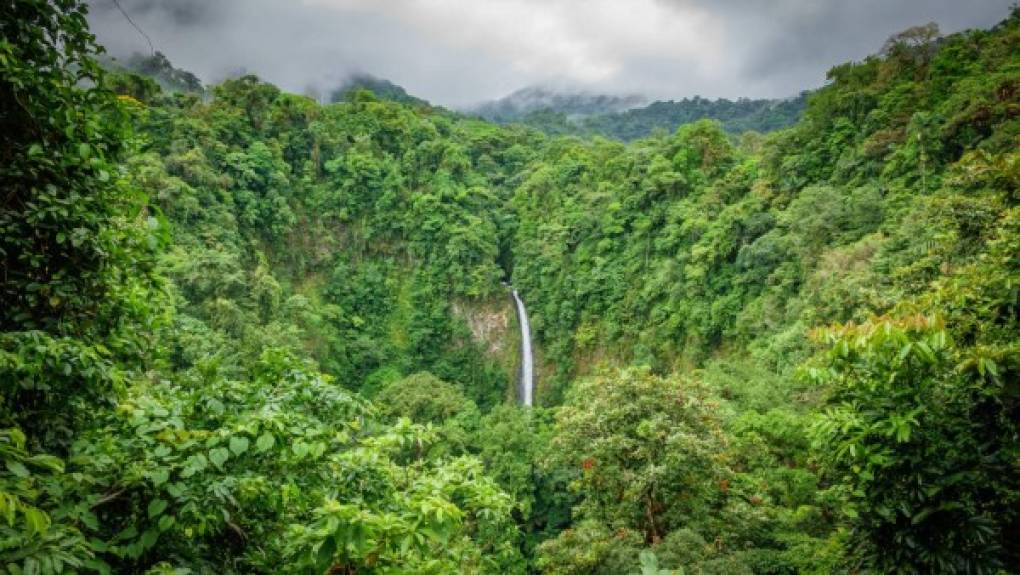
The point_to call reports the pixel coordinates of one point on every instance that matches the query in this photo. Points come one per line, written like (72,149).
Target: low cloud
(457,52)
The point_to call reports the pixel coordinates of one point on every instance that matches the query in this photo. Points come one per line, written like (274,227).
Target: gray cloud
(456,52)
(181,12)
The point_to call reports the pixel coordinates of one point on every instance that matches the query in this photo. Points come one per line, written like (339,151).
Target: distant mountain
(630,123)
(527,101)
(158,68)
(382,88)
(736,116)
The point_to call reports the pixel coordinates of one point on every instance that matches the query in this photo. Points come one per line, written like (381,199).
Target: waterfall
(526,385)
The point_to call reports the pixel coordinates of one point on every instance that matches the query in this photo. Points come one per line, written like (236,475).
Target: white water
(527,383)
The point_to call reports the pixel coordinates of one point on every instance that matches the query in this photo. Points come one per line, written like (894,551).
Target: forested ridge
(245,332)
(735,116)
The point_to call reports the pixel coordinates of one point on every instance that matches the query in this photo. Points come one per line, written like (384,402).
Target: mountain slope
(526,101)
(736,116)
(626,119)
(250,333)
(887,213)
(382,88)
(158,68)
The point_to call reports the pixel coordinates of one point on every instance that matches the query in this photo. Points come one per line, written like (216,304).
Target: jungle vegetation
(236,336)
(735,117)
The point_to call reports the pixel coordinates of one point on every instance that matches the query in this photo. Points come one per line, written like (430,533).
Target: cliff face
(489,323)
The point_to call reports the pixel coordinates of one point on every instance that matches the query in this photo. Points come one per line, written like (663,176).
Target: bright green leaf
(238,444)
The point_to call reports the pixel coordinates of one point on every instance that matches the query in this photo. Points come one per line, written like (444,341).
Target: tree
(646,450)
(77,287)
(915,45)
(77,247)
(920,433)
(423,398)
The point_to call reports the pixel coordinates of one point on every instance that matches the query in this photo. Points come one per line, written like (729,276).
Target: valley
(245,330)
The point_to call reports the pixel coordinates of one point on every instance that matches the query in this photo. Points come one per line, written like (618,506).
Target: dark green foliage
(682,242)
(898,186)
(422,398)
(513,444)
(158,69)
(338,228)
(736,117)
(77,293)
(925,436)
(191,434)
(77,245)
(381,88)
(635,444)
(923,416)
(253,333)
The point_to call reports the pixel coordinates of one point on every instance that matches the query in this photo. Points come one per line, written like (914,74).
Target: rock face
(489,322)
(494,326)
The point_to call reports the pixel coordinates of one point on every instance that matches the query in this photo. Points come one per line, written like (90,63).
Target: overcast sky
(459,52)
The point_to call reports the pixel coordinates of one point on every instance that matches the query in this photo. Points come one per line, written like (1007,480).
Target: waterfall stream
(526,385)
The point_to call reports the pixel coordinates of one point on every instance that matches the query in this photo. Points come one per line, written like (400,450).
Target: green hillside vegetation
(735,117)
(157,67)
(383,89)
(243,332)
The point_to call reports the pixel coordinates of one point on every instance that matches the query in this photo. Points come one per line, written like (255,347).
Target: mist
(460,52)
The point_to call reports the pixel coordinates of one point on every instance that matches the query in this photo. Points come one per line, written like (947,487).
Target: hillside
(382,88)
(527,101)
(625,119)
(157,68)
(736,116)
(245,332)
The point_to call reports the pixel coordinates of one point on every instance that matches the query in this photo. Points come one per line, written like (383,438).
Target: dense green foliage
(244,332)
(895,195)
(383,89)
(736,116)
(161,405)
(626,118)
(156,68)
